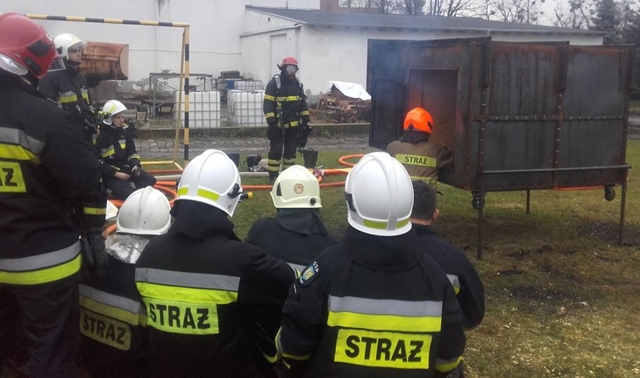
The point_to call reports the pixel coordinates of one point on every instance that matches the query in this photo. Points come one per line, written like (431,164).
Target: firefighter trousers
(49,317)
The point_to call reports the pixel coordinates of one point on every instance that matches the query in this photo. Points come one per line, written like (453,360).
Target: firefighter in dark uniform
(112,317)
(461,273)
(297,234)
(205,290)
(421,158)
(375,305)
(121,170)
(69,89)
(46,166)
(285,107)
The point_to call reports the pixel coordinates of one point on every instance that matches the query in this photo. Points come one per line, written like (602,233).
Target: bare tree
(446,8)
(576,15)
(519,11)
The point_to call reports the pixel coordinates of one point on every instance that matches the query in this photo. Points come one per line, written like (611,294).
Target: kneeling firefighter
(285,107)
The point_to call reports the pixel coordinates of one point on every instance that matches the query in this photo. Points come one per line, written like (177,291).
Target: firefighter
(296,235)
(421,158)
(285,107)
(121,169)
(69,89)
(46,166)
(205,290)
(462,275)
(111,315)
(375,305)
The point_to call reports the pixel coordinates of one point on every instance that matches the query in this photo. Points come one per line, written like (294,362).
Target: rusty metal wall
(526,113)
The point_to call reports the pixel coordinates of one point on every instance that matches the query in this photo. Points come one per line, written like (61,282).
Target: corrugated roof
(397,21)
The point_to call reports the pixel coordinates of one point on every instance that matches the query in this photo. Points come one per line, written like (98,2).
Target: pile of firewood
(336,107)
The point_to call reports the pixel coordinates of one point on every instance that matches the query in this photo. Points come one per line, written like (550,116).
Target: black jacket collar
(423,229)
(198,220)
(301,221)
(390,253)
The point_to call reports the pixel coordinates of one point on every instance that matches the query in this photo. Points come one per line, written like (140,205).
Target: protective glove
(135,171)
(94,253)
(303,135)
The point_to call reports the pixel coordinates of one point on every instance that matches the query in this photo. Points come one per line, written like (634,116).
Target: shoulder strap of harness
(278,81)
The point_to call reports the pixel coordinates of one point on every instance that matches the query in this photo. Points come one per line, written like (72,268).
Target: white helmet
(296,188)
(111,108)
(66,41)
(145,212)
(379,196)
(211,178)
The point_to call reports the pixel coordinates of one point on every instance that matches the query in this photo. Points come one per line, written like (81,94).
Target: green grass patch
(561,293)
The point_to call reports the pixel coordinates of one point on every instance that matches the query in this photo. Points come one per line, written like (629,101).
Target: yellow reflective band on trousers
(95,210)
(270,115)
(383,225)
(383,349)
(105,330)
(385,314)
(42,268)
(11,178)
(304,113)
(423,161)
(113,306)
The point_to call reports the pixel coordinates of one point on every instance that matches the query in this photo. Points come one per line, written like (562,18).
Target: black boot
(272,177)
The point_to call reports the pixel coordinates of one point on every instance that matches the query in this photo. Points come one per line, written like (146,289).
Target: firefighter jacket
(204,291)
(371,307)
(112,320)
(117,149)
(46,167)
(296,236)
(285,102)
(422,159)
(462,275)
(69,89)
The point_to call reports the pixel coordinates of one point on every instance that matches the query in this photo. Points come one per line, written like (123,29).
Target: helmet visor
(57,64)
(12,66)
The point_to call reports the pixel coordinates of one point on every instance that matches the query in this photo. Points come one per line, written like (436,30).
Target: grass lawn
(562,295)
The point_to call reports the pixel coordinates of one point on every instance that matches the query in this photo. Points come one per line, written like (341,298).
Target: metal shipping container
(518,116)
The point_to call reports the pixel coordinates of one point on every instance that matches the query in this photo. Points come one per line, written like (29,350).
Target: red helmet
(25,46)
(418,119)
(289,61)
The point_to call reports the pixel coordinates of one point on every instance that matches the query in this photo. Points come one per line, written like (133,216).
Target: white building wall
(216,26)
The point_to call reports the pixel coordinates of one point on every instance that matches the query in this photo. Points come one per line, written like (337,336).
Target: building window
(359,3)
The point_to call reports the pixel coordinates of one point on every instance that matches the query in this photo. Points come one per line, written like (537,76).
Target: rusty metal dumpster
(518,116)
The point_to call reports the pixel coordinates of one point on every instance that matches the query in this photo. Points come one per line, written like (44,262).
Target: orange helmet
(418,119)
(289,61)
(24,46)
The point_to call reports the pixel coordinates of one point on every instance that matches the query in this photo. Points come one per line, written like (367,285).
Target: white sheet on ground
(352,90)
